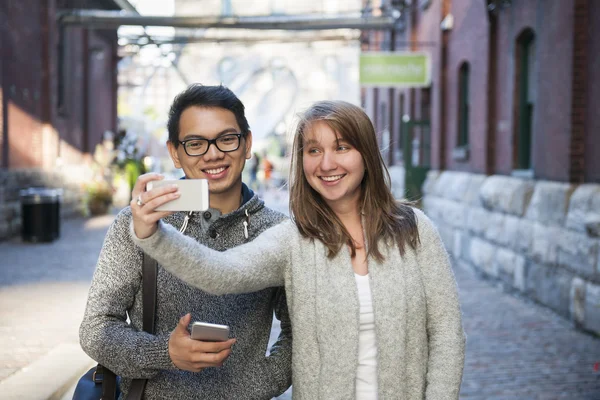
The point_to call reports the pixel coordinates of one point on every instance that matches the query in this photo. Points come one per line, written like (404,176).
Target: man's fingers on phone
(161,199)
(211,359)
(157,192)
(140,184)
(213,347)
(142,180)
(154,216)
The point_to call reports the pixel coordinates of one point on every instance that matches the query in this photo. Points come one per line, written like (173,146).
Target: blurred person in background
(373,299)
(209,138)
(268,167)
(254,166)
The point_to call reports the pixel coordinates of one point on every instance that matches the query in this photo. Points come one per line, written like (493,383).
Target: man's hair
(209,97)
(385,219)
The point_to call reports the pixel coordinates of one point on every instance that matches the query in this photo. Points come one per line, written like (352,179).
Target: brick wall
(48,135)
(578,92)
(555,65)
(428,37)
(31,85)
(470,22)
(592,143)
(22,81)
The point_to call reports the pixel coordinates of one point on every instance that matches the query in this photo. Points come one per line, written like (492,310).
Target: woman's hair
(383,216)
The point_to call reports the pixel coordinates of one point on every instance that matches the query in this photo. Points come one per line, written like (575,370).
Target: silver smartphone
(194,194)
(210,332)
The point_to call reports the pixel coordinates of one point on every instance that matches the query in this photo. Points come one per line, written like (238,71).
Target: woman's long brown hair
(385,220)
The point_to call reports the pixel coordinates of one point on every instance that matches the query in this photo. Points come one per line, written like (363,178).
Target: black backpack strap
(149,292)
(149,275)
(108,380)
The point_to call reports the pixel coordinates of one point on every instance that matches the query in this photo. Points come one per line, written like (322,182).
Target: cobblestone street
(515,349)
(520,350)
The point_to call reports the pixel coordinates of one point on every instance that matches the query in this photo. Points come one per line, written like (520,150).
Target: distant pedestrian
(254,167)
(373,300)
(268,171)
(209,138)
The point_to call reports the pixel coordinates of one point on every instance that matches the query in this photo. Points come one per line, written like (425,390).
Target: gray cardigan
(418,324)
(115,295)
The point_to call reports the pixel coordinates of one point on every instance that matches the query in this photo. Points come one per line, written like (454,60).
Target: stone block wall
(540,238)
(14,180)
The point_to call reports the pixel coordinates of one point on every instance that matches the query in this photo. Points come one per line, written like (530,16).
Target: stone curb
(49,378)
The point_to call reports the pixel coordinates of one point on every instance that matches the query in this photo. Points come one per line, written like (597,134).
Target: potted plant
(99,197)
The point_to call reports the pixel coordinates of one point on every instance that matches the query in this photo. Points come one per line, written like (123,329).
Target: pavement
(515,349)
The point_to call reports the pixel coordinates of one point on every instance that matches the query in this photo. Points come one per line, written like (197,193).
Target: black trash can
(40,214)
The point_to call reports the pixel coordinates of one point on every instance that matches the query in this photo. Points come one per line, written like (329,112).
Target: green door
(416,149)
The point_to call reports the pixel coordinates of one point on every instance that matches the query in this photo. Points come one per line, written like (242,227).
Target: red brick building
(514,83)
(508,132)
(58,90)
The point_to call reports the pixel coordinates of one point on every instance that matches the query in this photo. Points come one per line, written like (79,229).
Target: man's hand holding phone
(154,198)
(143,204)
(195,355)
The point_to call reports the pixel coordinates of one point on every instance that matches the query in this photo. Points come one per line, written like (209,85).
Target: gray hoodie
(115,295)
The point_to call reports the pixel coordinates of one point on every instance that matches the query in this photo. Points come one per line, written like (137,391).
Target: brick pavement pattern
(520,350)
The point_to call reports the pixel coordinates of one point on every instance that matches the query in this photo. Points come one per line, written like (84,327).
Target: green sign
(402,69)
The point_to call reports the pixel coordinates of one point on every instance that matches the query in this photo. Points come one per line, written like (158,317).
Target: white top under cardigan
(420,340)
(366,371)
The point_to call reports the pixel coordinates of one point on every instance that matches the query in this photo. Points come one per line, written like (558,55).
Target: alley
(515,349)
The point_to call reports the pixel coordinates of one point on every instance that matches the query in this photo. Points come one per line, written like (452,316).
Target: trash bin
(40,214)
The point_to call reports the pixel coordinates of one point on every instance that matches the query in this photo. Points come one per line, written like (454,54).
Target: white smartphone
(193,194)
(210,332)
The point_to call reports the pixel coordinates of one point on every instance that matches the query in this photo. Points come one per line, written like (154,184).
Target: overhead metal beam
(114,19)
(143,41)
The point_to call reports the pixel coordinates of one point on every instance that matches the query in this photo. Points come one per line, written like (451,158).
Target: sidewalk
(43,290)
(515,349)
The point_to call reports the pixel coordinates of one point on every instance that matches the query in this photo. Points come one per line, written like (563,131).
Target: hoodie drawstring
(185,222)
(187,218)
(246,223)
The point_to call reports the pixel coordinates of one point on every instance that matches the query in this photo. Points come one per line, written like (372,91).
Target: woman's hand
(144,203)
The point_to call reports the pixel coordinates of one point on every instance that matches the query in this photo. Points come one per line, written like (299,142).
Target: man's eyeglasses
(199,147)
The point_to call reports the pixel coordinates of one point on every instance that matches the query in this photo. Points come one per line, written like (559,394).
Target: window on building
(463,105)
(426,104)
(461,150)
(525,99)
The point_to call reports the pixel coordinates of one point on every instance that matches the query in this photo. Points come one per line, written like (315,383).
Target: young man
(209,138)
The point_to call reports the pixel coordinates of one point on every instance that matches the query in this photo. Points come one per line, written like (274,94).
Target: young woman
(370,291)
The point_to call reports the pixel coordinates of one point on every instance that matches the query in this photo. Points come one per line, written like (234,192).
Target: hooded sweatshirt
(115,295)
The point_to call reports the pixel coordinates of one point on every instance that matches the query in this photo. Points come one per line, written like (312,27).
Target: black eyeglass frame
(212,141)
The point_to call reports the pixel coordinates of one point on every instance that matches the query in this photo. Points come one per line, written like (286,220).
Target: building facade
(58,88)
(507,132)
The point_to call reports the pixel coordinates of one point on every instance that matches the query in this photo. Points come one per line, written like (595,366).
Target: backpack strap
(149,276)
